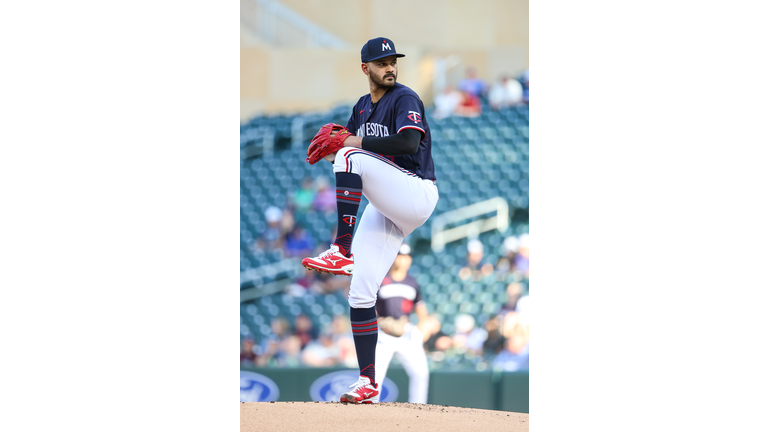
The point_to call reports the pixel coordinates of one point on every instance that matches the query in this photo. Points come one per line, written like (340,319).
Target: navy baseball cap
(377,48)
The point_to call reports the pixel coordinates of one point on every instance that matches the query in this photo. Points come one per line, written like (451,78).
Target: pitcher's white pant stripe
(356,151)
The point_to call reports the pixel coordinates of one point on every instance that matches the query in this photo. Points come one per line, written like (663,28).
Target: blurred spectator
(506,263)
(508,322)
(340,327)
(303,198)
(270,353)
(524,82)
(429,326)
(494,343)
(515,355)
(341,333)
(280,330)
(289,352)
(514,292)
(469,106)
(475,268)
(304,330)
(522,309)
(310,282)
(436,343)
(467,335)
(247,353)
(298,242)
(347,353)
(287,221)
(505,93)
(270,345)
(273,235)
(337,283)
(472,84)
(325,200)
(521,259)
(321,352)
(446,102)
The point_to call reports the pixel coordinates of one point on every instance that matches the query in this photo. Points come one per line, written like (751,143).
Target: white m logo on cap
(385,46)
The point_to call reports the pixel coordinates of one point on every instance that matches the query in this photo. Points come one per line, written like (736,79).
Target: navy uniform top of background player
(378,121)
(396,299)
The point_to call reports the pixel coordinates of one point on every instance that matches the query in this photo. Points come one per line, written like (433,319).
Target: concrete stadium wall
(300,79)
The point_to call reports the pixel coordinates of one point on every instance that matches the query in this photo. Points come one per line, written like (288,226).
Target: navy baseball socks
(338,259)
(349,189)
(365,332)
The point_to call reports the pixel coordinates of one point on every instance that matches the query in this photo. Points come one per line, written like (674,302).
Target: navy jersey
(400,108)
(396,299)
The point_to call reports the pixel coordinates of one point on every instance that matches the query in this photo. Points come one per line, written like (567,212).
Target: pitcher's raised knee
(359,302)
(342,163)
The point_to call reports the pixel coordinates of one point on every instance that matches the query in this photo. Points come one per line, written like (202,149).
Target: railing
(270,278)
(441,236)
(256,142)
(278,24)
(445,73)
(297,132)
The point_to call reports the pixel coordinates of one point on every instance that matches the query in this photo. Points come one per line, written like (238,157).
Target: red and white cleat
(331,261)
(363,392)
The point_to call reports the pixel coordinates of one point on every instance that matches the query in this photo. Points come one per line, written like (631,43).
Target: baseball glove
(323,144)
(393,327)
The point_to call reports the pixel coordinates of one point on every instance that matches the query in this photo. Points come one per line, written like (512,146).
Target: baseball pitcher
(383,153)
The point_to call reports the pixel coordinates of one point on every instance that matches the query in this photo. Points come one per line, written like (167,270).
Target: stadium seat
(339,309)
(458,297)
(471,308)
(294,309)
(447,308)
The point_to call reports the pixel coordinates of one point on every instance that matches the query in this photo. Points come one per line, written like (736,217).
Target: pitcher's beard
(382,82)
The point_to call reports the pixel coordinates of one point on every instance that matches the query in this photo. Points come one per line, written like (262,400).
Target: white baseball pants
(399,202)
(410,351)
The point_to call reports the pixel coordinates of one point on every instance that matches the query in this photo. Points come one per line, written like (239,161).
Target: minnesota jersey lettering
(372,130)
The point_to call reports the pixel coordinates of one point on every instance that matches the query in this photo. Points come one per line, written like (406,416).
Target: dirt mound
(335,416)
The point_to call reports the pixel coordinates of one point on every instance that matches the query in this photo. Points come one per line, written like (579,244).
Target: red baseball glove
(323,144)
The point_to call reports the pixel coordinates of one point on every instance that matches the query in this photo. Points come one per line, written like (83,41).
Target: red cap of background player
(377,48)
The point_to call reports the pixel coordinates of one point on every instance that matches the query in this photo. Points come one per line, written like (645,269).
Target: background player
(389,160)
(398,296)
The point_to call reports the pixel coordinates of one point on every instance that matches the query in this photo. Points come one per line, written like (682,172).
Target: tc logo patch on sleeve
(416,117)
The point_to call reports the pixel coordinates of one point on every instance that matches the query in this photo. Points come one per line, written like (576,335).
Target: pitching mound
(336,416)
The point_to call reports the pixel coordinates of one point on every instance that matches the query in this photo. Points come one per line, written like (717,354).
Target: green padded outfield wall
(463,389)
(506,391)
(513,392)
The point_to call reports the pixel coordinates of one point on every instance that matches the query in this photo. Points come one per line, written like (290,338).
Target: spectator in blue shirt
(515,355)
(472,84)
(298,242)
